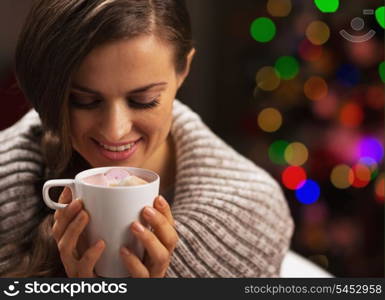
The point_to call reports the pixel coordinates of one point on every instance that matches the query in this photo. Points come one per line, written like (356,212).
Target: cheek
(159,123)
(79,125)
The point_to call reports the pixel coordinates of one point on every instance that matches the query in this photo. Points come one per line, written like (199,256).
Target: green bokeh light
(381,70)
(277,152)
(263,30)
(380,16)
(327,6)
(287,67)
(374,175)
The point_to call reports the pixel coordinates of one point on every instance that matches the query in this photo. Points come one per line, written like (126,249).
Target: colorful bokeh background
(316,116)
(278,81)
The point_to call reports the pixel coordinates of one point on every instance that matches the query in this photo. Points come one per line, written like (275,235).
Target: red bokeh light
(293,177)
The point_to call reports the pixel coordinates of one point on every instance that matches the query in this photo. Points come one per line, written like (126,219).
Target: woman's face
(121,102)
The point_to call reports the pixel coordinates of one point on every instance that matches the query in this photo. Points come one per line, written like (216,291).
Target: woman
(102,76)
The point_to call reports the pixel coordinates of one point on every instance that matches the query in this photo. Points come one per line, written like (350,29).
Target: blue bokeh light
(348,75)
(309,192)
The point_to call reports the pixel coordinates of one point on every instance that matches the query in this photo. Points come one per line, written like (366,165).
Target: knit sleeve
(20,205)
(231,216)
(226,231)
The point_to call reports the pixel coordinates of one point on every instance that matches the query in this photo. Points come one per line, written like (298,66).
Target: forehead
(130,60)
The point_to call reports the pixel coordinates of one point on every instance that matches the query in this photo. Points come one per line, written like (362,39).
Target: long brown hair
(56,37)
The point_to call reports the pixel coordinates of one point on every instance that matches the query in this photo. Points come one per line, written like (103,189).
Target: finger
(161,227)
(65,217)
(65,197)
(159,255)
(90,258)
(133,264)
(69,240)
(82,244)
(162,205)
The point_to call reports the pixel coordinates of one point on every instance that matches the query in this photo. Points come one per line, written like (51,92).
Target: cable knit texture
(231,216)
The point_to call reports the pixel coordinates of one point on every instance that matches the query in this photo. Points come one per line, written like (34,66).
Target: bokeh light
(351,115)
(296,154)
(315,214)
(287,67)
(308,51)
(279,8)
(263,30)
(343,144)
(293,177)
(330,149)
(362,175)
(277,152)
(348,75)
(327,6)
(380,16)
(316,88)
(371,164)
(267,79)
(381,71)
(327,108)
(379,188)
(318,32)
(371,147)
(270,119)
(309,192)
(342,176)
(325,65)
(365,54)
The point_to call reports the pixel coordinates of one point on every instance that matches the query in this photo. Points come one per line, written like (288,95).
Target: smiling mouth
(120,148)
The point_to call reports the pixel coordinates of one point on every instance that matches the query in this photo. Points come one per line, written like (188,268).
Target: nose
(116,122)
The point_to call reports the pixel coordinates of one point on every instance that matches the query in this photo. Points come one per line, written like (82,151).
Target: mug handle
(70,183)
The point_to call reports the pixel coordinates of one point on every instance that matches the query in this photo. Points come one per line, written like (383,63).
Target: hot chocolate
(114,177)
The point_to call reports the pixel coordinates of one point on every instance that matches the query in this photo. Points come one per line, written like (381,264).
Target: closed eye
(90,103)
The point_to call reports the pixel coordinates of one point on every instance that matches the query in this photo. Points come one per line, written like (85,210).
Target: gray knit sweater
(231,216)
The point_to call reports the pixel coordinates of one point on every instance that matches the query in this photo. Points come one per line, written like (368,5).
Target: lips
(117,155)
(118,148)
(115,144)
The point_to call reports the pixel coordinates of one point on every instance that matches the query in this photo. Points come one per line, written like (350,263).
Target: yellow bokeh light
(279,8)
(267,79)
(269,119)
(296,154)
(342,176)
(318,32)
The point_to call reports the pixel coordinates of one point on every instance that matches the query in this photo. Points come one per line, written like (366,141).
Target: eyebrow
(137,90)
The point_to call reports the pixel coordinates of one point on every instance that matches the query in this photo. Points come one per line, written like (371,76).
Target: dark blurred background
(277,81)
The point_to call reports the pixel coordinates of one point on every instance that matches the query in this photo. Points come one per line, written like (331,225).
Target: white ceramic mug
(112,210)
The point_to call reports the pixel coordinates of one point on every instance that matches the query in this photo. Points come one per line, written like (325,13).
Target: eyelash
(133,104)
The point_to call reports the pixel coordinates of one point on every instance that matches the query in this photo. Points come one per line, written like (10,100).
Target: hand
(159,243)
(67,229)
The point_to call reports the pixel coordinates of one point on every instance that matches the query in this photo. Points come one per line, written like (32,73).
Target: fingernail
(162,202)
(76,204)
(100,244)
(124,251)
(137,227)
(149,212)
